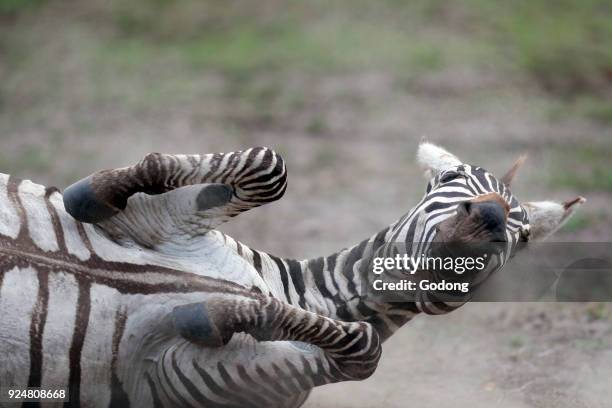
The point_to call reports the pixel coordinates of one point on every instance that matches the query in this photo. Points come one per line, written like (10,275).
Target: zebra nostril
(464,208)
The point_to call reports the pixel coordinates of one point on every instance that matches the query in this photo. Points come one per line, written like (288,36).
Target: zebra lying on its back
(142,303)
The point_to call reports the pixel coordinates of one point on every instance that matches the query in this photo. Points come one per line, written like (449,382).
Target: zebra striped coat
(141,302)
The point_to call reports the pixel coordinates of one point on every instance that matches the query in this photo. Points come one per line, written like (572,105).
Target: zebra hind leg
(351,350)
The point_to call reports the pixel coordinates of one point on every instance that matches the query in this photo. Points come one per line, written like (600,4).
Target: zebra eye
(451,175)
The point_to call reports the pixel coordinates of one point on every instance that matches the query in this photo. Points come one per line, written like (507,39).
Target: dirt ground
(502,355)
(349,141)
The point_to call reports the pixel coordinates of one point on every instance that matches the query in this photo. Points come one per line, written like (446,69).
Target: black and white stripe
(80,310)
(334,281)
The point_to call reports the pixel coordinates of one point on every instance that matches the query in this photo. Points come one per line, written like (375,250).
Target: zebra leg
(351,349)
(256,367)
(252,178)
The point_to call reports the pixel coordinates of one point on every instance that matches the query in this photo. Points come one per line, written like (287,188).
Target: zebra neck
(334,285)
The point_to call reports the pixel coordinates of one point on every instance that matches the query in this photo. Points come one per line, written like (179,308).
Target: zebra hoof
(194,324)
(81,202)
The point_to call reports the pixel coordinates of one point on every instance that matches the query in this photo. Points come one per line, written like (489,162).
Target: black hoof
(214,195)
(192,322)
(81,202)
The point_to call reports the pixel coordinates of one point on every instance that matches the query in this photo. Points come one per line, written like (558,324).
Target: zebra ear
(509,176)
(434,159)
(546,217)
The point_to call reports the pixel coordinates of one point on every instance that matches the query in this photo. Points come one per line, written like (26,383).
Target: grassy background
(344,89)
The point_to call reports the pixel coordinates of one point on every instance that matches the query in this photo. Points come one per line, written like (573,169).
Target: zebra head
(467,204)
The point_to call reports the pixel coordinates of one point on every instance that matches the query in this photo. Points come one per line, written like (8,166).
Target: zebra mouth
(473,249)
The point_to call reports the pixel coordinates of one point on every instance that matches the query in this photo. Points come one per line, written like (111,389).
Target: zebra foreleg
(173,198)
(254,177)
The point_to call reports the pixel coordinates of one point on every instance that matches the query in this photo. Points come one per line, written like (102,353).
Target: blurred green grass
(247,51)
(564,46)
(16,6)
(161,45)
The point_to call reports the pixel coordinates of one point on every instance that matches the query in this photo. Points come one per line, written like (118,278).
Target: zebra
(123,290)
